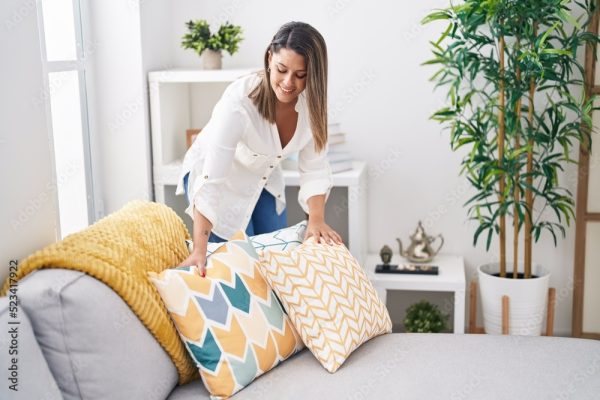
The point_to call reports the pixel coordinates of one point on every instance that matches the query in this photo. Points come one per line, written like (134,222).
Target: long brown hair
(308,42)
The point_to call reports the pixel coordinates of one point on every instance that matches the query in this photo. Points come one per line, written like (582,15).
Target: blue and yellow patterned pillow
(231,322)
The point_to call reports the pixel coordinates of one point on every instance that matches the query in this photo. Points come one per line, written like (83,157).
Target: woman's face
(288,74)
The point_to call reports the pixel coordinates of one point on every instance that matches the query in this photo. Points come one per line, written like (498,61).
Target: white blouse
(238,153)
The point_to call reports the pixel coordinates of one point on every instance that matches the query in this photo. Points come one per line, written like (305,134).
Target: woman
(231,174)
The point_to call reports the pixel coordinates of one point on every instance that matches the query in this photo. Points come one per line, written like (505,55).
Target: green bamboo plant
(511,70)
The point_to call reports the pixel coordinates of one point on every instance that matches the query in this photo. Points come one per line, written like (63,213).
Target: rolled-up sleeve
(225,129)
(315,174)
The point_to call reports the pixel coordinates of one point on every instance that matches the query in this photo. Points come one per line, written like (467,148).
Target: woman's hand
(316,222)
(200,235)
(196,260)
(319,229)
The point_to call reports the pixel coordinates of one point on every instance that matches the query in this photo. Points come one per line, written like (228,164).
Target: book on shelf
(340,166)
(335,134)
(337,156)
(190,136)
(338,161)
(336,138)
(338,147)
(333,128)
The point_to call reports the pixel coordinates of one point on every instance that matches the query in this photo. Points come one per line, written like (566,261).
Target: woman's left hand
(320,230)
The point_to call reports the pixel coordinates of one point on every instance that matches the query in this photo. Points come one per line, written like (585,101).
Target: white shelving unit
(451,279)
(181,99)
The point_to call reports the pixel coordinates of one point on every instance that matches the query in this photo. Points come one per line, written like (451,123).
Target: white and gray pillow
(280,240)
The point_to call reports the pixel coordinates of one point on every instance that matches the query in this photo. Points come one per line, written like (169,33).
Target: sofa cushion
(22,359)
(230,321)
(95,346)
(437,366)
(329,298)
(191,391)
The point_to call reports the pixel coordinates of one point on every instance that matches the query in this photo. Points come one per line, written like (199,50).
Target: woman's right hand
(197,260)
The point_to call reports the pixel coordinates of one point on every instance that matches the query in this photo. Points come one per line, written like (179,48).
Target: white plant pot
(527,299)
(211,59)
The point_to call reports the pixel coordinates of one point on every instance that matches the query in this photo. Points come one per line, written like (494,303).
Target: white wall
(383,99)
(117,98)
(124,51)
(156,35)
(28,201)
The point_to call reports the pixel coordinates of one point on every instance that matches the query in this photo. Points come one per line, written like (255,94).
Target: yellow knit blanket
(119,250)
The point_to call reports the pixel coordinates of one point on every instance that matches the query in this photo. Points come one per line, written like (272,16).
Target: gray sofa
(78,340)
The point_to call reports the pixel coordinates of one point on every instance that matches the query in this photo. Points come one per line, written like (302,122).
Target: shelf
(451,279)
(169,173)
(451,275)
(182,75)
(344,178)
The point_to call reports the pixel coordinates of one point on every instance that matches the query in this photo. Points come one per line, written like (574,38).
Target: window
(65,100)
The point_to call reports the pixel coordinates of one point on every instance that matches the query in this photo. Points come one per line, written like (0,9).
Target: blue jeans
(264,218)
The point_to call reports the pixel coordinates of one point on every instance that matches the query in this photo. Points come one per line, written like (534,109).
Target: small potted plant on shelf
(424,317)
(210,46)
(513,83)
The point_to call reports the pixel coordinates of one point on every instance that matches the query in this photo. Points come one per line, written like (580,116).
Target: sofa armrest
(25,372)
(95,346)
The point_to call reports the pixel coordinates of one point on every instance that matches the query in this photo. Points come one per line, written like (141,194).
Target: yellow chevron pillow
(328,297)
(230,321)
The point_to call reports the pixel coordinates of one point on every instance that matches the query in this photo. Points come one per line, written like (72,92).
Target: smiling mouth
(285,91)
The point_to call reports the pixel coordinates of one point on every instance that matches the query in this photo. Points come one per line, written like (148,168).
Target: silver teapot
(420,249)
